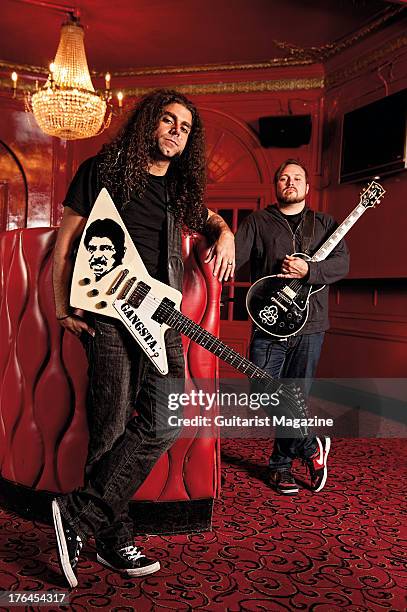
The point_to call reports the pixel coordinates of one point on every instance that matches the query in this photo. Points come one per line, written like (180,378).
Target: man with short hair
(155,172)
(266,238)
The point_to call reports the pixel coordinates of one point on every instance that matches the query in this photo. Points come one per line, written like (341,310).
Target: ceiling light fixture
(68,106)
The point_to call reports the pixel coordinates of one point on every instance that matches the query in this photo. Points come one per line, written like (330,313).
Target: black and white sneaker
(283,481)
(317,463)
(69,545)
(129,560)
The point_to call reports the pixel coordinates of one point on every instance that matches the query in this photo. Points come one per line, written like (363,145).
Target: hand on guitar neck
(293,267)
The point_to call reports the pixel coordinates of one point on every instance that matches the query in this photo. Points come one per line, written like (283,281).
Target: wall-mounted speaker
(288,131)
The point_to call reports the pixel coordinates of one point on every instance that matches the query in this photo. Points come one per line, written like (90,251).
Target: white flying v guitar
(110,279)
(280,307)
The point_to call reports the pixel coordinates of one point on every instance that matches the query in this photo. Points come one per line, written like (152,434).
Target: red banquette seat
(43,380)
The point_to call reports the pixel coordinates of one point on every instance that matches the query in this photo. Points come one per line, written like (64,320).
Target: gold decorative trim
(22,88)
(207,88)
(325,52)
(277,62)
(343,74)
(238,88)
(23,68)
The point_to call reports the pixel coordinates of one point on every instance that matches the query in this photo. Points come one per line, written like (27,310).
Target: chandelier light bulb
(14,78)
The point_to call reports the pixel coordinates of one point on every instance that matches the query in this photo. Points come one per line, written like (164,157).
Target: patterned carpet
(343,548)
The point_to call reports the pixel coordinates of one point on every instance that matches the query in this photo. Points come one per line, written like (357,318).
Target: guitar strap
(308,230)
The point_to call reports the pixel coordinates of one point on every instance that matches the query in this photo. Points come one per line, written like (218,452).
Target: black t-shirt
(293,220)
(145,218)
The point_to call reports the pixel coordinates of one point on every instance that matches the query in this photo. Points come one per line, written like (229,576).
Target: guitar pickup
(289,292)
(138,294)
(164,311)
(118,282)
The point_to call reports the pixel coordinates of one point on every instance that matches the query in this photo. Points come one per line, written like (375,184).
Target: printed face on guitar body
(291,189)
(172,132)
(102,256)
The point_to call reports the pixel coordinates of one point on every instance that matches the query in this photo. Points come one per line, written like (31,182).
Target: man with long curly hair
(155,172)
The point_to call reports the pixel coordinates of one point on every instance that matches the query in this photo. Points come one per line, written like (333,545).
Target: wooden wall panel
(368,336)
(42,160)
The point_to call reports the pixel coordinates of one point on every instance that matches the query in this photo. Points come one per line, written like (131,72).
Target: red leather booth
(43,431)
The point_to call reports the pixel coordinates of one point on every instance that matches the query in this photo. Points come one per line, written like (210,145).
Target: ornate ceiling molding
(277,62)
(206,88)
(343,74)
(297,56)
(23,68)
(325,52)
(238,88)
(165,70)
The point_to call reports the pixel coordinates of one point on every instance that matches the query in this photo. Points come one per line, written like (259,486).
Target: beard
(285,199)
(159,153)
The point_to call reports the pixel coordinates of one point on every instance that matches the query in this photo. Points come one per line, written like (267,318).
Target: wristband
(64,317)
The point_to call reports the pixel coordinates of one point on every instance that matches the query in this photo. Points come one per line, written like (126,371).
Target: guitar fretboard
(338,234)
(192,330)
(370,197)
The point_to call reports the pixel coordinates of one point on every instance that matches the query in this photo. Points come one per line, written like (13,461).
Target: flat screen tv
(374,139)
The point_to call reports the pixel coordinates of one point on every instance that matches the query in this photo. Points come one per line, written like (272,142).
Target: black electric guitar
(110,279)
(279,306)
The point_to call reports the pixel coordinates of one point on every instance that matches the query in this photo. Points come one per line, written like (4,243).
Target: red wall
(368,337)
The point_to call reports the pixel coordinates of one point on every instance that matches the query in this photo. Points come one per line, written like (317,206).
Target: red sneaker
(317,463)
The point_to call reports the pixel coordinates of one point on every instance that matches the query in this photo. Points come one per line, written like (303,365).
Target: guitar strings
(193,328)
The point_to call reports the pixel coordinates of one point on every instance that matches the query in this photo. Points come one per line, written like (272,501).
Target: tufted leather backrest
(43,431)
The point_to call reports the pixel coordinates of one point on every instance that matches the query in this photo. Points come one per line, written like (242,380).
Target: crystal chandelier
(67,106)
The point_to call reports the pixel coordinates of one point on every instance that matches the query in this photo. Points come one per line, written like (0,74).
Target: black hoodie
(265,237)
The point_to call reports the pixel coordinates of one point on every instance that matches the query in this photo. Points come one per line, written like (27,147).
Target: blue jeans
(123,446)
(297,357)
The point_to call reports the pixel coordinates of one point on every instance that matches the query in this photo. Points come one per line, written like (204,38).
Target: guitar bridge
(273,299)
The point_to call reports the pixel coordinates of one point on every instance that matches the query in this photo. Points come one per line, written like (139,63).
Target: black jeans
(297,357)
(123,447)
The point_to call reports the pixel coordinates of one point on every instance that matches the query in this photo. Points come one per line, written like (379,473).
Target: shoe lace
(132,553)
(78,549)
(286,476)
(79,545)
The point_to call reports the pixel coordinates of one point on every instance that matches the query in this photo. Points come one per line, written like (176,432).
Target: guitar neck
(339,233)
(192,330)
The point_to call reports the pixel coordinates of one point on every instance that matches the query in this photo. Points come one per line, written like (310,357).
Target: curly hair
(123,163)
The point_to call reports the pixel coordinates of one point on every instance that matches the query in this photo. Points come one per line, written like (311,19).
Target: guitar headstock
(372,195)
